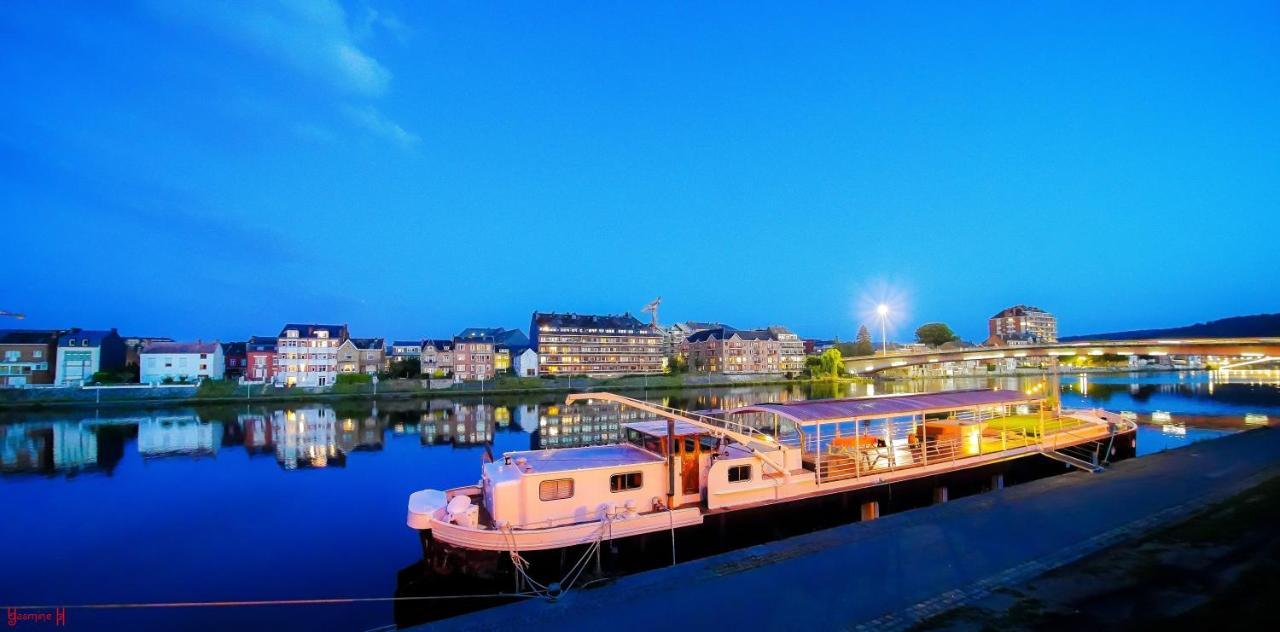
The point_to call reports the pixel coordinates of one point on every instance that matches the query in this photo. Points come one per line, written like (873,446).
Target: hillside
(1234,327)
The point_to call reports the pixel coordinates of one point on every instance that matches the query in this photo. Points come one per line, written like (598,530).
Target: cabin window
(739,473)
(625,482)
(556,489)
(690,445)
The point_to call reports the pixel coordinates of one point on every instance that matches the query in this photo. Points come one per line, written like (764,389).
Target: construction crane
(12,314)
(652,308)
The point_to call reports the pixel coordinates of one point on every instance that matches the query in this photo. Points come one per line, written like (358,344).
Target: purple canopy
(886,406)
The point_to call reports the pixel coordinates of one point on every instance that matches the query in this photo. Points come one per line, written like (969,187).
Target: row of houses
(313,355)
(69,356)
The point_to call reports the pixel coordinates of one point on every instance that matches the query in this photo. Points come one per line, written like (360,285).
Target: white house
(184,435)
(307,355)
(525,363)
(180,361)
(81,353)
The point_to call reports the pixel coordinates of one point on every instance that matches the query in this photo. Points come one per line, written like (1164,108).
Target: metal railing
(879,453)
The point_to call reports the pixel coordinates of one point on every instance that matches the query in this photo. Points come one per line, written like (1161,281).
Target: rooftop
(368,344)
(86,337)
(181,347)
(1019,310)
(725,333)
(886,406)
(26,337)
(261,343)
(589,321)
(568,459)
(310,331)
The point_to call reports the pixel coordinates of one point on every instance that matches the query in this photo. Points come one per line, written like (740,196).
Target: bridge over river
(1237,352)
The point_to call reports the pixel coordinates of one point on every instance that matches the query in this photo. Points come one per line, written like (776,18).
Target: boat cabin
(850,438)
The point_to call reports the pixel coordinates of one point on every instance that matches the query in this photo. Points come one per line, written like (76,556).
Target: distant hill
(1234,327)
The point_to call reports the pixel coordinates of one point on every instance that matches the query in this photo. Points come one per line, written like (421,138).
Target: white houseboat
(681,467)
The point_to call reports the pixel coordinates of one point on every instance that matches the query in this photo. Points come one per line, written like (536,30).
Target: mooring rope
(521,565)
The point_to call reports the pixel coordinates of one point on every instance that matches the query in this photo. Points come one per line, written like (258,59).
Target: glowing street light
(883,311)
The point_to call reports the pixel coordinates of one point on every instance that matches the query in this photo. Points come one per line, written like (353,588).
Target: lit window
(557,489)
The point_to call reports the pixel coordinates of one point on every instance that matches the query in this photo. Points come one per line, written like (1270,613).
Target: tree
(813,365)
(677,364)
(863,346)
(405,369)
(935,334)
(832,363)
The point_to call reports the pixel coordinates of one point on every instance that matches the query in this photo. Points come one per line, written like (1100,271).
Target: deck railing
(873,454)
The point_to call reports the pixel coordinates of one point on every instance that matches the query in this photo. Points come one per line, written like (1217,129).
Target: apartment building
(504,342)
(1022,323)
(734,351)
(473,358)
(790,349)
(577,344)
(307,355)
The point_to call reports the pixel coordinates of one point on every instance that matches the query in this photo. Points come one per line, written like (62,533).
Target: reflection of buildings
(309,437)
(579,425)
(257,433)
(525,416)
(183,435)
(359,434)
(67,447)
(457,424)
(306,437)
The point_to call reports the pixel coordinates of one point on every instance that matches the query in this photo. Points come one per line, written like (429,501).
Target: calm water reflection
(274,501)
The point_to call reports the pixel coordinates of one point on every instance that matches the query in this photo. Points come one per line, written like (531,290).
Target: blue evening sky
(194,168)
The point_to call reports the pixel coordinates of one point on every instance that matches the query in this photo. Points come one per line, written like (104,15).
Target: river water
(304,501)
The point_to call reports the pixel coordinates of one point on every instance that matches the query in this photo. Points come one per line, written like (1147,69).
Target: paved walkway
(894,571)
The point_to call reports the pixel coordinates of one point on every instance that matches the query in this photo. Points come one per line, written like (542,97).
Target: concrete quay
(894,571)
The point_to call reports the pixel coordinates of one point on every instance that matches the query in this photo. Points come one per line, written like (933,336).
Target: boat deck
(870,456)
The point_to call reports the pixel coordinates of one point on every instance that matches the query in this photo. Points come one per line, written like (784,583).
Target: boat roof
(569,459)
(815,411)
(658,428)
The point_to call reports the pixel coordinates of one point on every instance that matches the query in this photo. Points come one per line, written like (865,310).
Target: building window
(625,482)
(739,473)
(556,489)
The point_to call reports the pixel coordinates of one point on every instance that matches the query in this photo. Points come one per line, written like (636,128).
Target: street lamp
(883,311)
